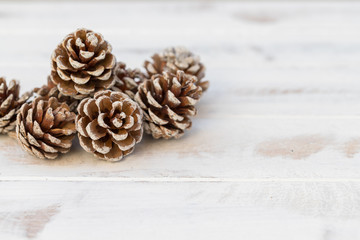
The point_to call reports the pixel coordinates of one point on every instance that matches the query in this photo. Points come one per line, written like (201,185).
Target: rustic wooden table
(274,152)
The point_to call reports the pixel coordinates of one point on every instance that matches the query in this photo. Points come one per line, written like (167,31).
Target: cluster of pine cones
(107,104)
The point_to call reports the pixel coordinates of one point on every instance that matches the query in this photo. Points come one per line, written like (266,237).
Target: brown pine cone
(82,64)
(109,125)
(168,101)
(50,90)
(10,104)
(45,127)
(177,58)
(127,80)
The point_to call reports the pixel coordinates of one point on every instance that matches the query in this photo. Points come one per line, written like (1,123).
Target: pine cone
(178,58)
(45,127)
(127,80)
(10,104)
(167,101)
(50,90)
(109,125)
(82,64)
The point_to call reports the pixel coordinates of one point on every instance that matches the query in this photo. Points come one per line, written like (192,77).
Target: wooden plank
(275,210)
(278,66)
(217,147)
(280,37)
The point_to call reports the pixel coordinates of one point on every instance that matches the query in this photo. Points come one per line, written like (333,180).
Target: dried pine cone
(45,127)
(178,58)
(167,101)
(50,90)
(10,104)
(82,64)
(127,80)
(109,125)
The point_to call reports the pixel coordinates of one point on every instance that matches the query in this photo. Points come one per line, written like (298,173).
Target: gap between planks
(171,179)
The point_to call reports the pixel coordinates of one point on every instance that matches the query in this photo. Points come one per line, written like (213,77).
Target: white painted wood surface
(274,152)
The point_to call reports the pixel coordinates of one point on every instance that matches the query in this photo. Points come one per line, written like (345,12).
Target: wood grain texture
(274,150)
(82,210)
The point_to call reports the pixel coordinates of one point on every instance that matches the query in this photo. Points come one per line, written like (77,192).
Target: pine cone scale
(171,99)
(8,116)
(85,55)
(48,120)
(105,75)
(79,78)
(96,71)
(64,64)
(76,65)
(90,108)
(6,104)
(182,124)
(113,155)
(66,88)
(106,84)
(173,115)
(156,119)
(84,89)
(126,144)
(86,143)
(50,138)
(102,120)
(102,147)
(94,131)
(120,135)
(63,75)
(152,101)
(82,123)
(66,130)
